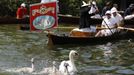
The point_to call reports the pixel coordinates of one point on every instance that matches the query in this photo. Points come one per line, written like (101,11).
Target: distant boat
(62,19)
(66,39)
(13,20)
(24,23)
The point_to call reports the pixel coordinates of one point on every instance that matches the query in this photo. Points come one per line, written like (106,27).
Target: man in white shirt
(109,23)
(93,9)
(118,18)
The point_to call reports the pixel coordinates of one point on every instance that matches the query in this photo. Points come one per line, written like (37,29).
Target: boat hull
(61,40)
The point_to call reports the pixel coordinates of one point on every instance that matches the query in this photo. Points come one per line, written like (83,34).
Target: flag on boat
(43,16)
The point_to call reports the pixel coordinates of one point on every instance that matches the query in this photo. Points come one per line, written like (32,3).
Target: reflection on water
(17,47)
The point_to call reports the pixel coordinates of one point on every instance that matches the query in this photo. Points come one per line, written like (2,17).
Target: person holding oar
(118,18)
(109,24)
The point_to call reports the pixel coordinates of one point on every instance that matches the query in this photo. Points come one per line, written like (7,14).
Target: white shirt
(129,16)
(108,22)
(118,18)
(92,9)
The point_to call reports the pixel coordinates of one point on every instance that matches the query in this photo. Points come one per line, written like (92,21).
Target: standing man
(85,17)
(22,11)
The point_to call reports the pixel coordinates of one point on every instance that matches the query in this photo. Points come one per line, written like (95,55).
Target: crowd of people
(112,19)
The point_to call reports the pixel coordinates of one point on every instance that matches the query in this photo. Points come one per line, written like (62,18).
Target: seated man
(118,18)
(109,23)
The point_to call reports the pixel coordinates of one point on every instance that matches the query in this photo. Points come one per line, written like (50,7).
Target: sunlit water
(17,47)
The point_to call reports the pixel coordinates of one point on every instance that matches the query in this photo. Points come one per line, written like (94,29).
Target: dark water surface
(17,47)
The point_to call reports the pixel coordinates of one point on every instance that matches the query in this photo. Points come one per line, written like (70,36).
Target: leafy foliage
(9,7)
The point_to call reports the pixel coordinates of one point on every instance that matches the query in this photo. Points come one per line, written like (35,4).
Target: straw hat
(23,5)
(84,4)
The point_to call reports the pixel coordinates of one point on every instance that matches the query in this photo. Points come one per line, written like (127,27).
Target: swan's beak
(32,62)
(76,54)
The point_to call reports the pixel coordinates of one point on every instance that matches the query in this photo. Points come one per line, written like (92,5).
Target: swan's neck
(32,66)
(71,59)
(54,68)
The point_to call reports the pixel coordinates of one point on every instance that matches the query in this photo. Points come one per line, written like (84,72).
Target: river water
(17,47)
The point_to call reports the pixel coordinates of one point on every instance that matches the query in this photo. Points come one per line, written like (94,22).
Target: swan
(69,66)
(53,70)
(28,69)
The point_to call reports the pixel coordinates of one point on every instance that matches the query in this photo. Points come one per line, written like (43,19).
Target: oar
(106,24)
(103,28)
(65,27)
(124,28)
(77,27)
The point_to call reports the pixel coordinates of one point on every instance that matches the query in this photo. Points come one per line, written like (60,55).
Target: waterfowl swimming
(69,66)
(28,69)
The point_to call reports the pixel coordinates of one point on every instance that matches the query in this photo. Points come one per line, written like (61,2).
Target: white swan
(52,70)
(28,69)
(71,68)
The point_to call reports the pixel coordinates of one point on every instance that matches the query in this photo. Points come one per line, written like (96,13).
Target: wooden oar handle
(132,29)
(103,28)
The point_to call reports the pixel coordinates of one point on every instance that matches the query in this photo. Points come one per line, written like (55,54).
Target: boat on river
(13,20)
(55,39)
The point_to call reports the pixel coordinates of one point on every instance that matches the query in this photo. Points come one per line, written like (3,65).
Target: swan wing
(62,67)
(25,69)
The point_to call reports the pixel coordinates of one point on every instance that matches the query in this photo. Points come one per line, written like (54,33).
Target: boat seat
(85,32)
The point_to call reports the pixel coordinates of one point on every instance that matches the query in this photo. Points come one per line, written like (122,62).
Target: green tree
(72,7)
(9,7)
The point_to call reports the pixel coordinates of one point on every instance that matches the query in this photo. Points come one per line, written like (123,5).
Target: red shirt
(21,12)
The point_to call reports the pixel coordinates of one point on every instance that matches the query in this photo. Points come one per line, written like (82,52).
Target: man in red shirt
(22,11)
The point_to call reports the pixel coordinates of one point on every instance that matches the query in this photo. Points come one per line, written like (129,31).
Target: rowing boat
(66,39)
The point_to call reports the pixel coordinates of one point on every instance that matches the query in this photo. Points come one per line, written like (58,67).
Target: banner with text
(43,16)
